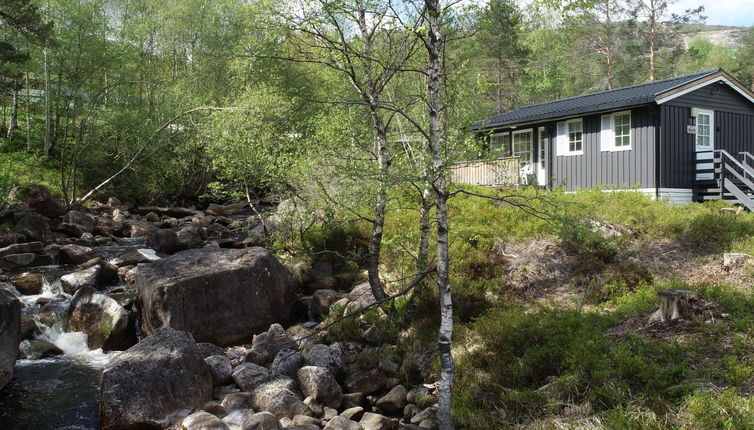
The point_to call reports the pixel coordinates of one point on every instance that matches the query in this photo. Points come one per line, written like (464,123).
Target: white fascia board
(660,100)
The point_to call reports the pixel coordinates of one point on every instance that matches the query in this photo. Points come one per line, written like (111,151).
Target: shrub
(710,411)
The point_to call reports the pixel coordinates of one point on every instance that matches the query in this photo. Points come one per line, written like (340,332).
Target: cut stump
(676,305)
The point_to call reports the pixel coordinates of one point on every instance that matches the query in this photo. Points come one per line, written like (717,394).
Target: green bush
(710,411)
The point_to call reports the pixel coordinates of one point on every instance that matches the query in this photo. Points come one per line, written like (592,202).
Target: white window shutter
(562,139)
(607,141)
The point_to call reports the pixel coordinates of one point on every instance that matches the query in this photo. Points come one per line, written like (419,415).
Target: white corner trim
(661,100)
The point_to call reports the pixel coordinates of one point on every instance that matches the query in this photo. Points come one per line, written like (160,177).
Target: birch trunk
(13,114)
(48,118)
(28,114)
(422,256)
(447,368)
(375,244)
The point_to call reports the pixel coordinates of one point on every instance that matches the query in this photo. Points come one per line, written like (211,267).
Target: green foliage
(19,168)
(725,411)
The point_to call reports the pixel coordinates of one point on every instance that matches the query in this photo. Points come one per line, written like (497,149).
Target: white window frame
(542,149)
(531,144)
(711,115)
(510,142)
(564,141)
(607,132)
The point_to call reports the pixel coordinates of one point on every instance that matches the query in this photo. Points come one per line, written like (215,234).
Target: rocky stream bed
(151,318)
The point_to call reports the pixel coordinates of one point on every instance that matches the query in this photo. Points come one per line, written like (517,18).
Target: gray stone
(81,220)
(249,376)
(18,260)
(152,382)
(105,322)
(323,299)
(261,421)
(342,423)
(10,334)
(278,396)
(202,421)
(352,400)
(319,383)
(28,283)
(38,197)
(219,295)
(371,421)
(76,254)
(303,420)
(233,401)
(394,400)
(237,418)
(421,397)
(135,257)
(165,240)
(35,227)
(215,408)
(39,348)
(325,356)
(21,248)
(220,368)
(287,362)
(365,381)
(87,278)
(354,413)
(209,349)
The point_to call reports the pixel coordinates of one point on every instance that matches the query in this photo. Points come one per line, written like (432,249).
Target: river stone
(325,356)
(342,423)
(233,401)
(105,322)
(287,362)
(261,421)
(38,197)
(209,349)
(236,418)
(165,240)
(39,348)
(28,283)
(18,260)
(372,421)
(222,296)
(278,396)
(421,397)
(248,376)
(21,248)
(75,281)
(10,334)
(35,227)
(76,254)
(319,383)
(365,381)
(394,400)
(135,257)
(203,421)
(81,220)
(220,368)
(154,382)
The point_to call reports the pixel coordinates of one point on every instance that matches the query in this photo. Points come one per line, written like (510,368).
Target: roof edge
(719,76)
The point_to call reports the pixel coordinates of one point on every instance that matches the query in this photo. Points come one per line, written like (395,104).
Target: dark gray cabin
(687,138)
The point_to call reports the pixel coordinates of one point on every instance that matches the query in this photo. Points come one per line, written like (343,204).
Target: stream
(60,392)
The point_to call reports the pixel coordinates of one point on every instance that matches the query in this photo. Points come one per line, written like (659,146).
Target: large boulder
(105,322)
(28,283)
(76,254)
(87,278)
(154,383)
(222,296)
(10,334)
(38,197)
(165,240)
(318,382)
(35,227)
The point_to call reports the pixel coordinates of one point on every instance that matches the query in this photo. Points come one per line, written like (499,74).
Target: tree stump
(675,305)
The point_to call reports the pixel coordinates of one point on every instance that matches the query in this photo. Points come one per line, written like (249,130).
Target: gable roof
(635,95)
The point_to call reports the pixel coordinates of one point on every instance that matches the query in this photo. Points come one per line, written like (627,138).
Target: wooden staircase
(721,176)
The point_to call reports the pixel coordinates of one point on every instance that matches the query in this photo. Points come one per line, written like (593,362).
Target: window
(501,144)
(616,132)
(570,137)
(522,145)
(704,135)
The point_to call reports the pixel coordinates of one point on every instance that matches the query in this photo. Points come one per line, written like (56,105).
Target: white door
(704,141)
(523,145)
(542,162)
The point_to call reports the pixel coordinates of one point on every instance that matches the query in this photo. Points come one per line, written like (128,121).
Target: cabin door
(523,148)
(542,159)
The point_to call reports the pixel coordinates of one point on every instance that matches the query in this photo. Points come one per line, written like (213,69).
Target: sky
(720,12)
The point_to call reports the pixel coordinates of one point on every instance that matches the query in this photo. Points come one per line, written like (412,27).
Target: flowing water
(60,392)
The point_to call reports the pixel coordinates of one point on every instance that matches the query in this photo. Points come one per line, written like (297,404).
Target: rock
(261,421)
(249,376)
(135,257)
(88,278)
(215,209)
(215,408)
(265,346)
(237,417)
(203,421)
(325,356)
(323,299)
(29,327)
(220,368)
(319,383)
(39,348)
(735,260)
(389,367)
(420,397)
(287,362)
(76,254)
(329,413)
(152,217)
(218,295)
(314,406)
(165,240)
(105,322)
(354,413)
(18,260)
(21,248)
(233,401)
(360,297)
(305,420)
(38,197)
(137,228)
(219,393)
(372,421)
(394,400)
(365,381)
(278,397)
(152,382)
(191,237)
(342,423)
(429,424)
(10,334)
(35,226)
(423,415)
(28,283)
(352,400)
(81,220)
(208,349)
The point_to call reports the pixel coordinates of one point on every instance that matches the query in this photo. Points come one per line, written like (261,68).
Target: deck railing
(500,172)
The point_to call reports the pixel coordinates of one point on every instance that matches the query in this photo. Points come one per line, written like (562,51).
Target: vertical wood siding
(619,169)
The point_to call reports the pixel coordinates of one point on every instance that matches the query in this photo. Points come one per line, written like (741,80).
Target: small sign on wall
(691,129)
